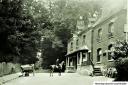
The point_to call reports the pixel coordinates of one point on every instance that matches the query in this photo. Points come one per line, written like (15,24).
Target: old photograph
(63,42)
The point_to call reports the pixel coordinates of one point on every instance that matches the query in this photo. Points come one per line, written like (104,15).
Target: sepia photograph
(63,42)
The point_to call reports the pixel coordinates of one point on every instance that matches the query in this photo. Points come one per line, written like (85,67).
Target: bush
(122,69)
(109,70)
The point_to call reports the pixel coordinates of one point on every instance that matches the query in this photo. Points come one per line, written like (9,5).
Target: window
(77,43)
(71,62)
(110,29)
(84,39)
(84,57)
(99,53)
(78,57)
(110,48)
(71,46)
(99,34)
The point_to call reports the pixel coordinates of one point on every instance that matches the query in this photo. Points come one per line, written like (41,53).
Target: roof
(80,49)
(83,48)
(110,8)
(26,67)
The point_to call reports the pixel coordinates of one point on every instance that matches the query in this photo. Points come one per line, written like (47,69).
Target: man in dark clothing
(63,66)
(58,66)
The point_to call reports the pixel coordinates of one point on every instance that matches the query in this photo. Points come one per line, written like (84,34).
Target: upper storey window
(71,46)
(99,34)
(77,43)
(110,29)
(84,40)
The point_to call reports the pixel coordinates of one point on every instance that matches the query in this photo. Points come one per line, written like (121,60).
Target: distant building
(92,46)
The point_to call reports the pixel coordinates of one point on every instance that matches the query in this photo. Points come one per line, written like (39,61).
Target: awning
(84,48)
(78,50)
(73,52)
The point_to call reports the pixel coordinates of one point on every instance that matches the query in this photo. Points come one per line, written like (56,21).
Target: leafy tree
(63,16)
(120,55)
(21,29)
(120,50)
(36,19)
(9,19)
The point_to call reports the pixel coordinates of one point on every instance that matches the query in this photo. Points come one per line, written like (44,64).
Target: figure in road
(63,66)
(52,67)
(57,62)
(57,67)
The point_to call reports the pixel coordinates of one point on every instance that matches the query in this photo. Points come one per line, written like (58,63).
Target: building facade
(79,48)
(93,46)
(106,33)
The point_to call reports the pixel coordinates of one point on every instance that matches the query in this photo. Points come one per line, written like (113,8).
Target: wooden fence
(8,68)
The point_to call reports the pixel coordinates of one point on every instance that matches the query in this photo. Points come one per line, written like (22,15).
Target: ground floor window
(78,58)
(71,62)
(110,48)
(99,53)
(67,61)
(84,56)
(90,57)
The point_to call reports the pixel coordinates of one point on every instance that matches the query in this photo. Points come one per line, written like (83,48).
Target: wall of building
(78,55)
(119,21)
(87,40)
(80,42)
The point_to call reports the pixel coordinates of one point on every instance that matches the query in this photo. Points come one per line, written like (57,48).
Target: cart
(26,69)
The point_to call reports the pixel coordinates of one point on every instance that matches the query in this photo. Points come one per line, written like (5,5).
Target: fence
(8,68)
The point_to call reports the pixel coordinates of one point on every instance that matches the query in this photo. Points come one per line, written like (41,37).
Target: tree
(21,29)
(120,55)
(120,50)
(35,16)
(63,16)
(9,19)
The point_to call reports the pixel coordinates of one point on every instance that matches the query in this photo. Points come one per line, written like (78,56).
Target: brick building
(79,48)
(92,46)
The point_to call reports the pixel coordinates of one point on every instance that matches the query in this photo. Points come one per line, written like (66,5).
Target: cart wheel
(26,73)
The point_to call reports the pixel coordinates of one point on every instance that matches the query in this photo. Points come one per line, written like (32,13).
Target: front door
(75,62)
